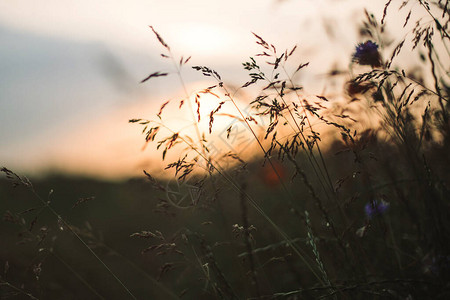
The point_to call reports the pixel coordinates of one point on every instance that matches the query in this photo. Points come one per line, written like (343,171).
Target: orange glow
(110,147)
(271,176)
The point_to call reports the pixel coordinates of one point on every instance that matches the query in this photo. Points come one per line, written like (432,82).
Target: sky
(70,71)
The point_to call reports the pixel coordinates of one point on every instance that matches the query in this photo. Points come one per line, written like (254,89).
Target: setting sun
(203,39)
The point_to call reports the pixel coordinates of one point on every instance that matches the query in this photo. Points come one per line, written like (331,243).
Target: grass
(347,197)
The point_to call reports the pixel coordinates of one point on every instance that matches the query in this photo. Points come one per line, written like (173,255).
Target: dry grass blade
(385,11)
(261,41)
(160,39)
(162,108)
(83,200)
(407,19)
(155,74)
(301,66)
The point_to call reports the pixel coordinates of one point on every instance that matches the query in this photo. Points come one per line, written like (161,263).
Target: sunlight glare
(203,39)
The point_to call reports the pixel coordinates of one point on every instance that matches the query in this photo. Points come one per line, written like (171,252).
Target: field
(341,196)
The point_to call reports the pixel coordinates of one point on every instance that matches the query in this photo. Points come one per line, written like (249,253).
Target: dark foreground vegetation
(356,210)
(220,247)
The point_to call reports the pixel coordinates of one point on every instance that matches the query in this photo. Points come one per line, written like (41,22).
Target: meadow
(326,196)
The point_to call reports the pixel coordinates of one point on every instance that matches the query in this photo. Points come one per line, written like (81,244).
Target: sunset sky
(70,70)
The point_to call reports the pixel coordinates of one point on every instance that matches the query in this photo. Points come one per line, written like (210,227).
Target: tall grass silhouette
(343,196)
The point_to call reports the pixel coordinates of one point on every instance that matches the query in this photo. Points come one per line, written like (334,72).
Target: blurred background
(70,71)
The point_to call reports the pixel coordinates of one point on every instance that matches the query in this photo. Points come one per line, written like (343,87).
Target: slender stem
(82,241)
(259,144)
(197,130)
(90,287)
(394,245)
(144,273)
(436,83)
(303,256)
(421,84)
(19,290)
(442,29)
(28,231)
(310,127)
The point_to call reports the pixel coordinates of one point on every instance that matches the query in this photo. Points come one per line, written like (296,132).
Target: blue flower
(375,208)
(367,54)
